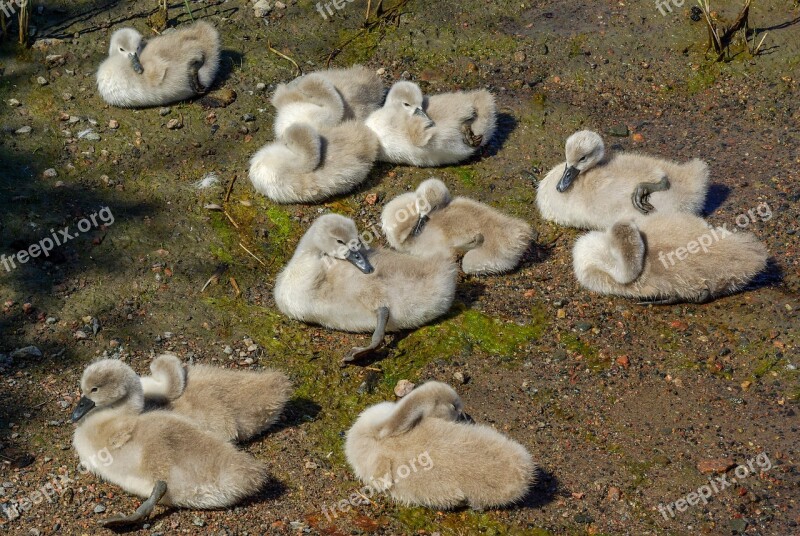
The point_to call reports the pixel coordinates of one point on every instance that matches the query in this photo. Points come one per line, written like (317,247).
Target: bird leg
(641,195)
(470,138)
(377,338)
(142,512)
(194,76)
(704,297)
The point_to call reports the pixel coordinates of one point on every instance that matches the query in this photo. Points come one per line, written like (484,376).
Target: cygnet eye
(340,241)
(121,49)
(94,389)
(583,158)
(406,104)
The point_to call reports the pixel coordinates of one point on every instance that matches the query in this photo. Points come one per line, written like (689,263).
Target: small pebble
(402,388)
(42,81)
(14,103)
(113,124)
(99,509)
(26,352)
(23,130)
(88,134)
(174,124)
(80,335)
(460,377)
(197,522)
(164,111)
(50,173)
(262,8)
(227,350)
(261,86)
(248,118)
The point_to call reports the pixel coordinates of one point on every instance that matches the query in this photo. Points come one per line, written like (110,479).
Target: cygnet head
(432,195)
(584,150)
(400,217)
(439,400)
(407,96)
(336,236)
(126,42)
(105,384)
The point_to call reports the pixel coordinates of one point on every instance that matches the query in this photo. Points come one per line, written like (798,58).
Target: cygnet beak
(357,259)
(137,65)
(570,173)
(85,405)
(423,219)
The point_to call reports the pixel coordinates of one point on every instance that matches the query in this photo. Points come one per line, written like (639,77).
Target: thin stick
(186,2)
(215,276)
(230,218)
(230,189)
(365,498)
(235,286)
(284,56)
(264,264)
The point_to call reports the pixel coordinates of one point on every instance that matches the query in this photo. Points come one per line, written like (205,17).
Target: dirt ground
(625,407)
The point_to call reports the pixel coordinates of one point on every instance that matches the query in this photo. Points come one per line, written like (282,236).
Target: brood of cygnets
(235,405)
(307,166)
(463,463)
(434,131)
(592,191)
(667,258)
(158,454)
(332,280)
(172,67)
(429,220)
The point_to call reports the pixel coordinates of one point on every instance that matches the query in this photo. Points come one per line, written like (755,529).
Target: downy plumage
(175,66)
(592,190)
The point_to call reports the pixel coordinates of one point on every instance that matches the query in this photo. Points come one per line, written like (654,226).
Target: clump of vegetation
(24,20)
(722,36)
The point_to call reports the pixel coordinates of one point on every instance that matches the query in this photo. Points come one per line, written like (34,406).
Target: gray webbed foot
(470,138)
(194,76)
(704,297)
(641,195)
(377,338)
(141,513)
(194,80)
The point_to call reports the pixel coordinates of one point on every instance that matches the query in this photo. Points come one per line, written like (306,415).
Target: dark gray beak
(464,417)
(423,219)
(570,172)
(85,405)
(135,63)
(357,259)
(421,112)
